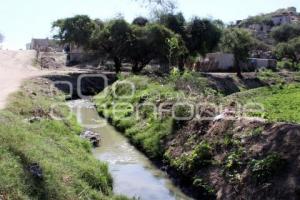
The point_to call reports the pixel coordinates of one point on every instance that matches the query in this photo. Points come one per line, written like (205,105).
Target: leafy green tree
(238,42)
(158,37)
(219,23)
(76,30)
(203,36)
(114,40)
(174,22)
(140,21)
(285,32)
(139,52)
(289,50)
(152,42)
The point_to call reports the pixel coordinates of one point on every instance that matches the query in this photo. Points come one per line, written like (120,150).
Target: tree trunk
(135,67)
(118,65)
(238,68)
(181,64)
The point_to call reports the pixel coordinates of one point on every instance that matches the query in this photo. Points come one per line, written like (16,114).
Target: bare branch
(165,5)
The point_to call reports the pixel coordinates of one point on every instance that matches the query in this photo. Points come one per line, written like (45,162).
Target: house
(260,28)
(285,16)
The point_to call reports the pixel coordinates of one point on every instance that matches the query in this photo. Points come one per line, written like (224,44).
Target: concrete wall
(281,19)
(45,45)
(223,61)
(259,63)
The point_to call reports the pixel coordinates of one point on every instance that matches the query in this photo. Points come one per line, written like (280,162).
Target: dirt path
(15,66)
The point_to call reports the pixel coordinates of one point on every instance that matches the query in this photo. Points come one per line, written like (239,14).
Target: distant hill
(261,25)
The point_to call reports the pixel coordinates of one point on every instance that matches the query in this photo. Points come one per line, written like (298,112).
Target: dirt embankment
(238,159)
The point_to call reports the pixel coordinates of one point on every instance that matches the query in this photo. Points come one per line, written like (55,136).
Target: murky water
(134,175)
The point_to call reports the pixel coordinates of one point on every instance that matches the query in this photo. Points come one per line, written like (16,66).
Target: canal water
(133,173)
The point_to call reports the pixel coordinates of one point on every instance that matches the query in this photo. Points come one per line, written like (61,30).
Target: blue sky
(21,20)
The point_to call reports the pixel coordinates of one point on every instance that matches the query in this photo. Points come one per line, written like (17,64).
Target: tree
(154,41)
(158,37)
(140,52)
(174,22)
(114,39)
(76,30)
(203,36)
(140,21)
(239,42)
(219,23)
(285,32)
(290,50)
(164,5)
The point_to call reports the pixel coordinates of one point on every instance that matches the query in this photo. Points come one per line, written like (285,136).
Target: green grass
(281,103)
(69,171)
(270,76)
(148,131)
(180,145)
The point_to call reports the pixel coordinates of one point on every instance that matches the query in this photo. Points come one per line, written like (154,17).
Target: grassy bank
(43,158)
(281,103)
(210,157)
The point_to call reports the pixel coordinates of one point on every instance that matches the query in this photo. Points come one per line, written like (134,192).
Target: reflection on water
(134,175)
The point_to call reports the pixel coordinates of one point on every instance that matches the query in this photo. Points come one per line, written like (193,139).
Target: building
(260,28)
(258,63)
(224,62)
(215,62)
(44,45)
(286,16)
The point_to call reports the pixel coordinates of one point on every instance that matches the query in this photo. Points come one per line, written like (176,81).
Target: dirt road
(15,66)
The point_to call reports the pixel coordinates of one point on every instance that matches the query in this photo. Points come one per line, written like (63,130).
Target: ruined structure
(44,45)
(286,16)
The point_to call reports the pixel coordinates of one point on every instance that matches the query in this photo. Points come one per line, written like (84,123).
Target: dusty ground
(15,66)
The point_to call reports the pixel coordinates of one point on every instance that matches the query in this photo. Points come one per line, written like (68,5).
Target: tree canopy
(174,22)
(114,39)
(76,30)
(168,40)
(285,32)
(203,36)
(140,21)
(289,50)
(238,42)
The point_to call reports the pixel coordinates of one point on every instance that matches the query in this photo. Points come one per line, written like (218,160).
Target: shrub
(289,65)
(200,157)
(264,169)
(270,76)
(200,183)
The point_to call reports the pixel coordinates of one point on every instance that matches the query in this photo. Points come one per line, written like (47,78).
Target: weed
(263,169)
(200,183)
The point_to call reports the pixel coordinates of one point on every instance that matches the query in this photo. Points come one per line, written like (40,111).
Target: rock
(36,170)
(93,137)
(33,119)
